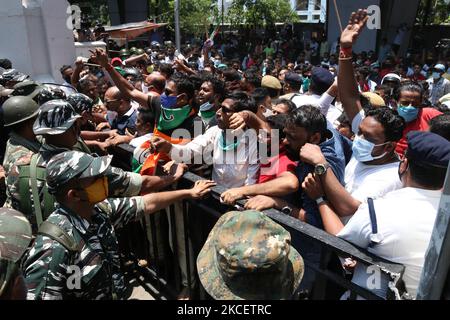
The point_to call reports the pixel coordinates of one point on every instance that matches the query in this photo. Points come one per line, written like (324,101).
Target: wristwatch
(321,169)
(287,210)
(320,200)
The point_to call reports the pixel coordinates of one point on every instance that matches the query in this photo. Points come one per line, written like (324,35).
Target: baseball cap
(293,78)
(428,149)
(439,67)
(55,117)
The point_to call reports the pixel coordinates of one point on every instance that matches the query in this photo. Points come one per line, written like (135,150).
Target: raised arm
(76,72)
(124,86)
(348,86)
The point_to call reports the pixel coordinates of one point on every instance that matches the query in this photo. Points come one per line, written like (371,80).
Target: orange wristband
(346,53)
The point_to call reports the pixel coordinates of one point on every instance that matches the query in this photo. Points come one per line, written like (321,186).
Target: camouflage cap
(12,75)
(15,236)
(69,165)
(80,102)
(48,93)
(55,117)
(27,88)
(249,256)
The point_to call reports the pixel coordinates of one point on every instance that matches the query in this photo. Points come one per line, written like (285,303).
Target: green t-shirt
(269,51)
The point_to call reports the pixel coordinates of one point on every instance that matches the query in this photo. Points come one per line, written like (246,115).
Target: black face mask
(292,154)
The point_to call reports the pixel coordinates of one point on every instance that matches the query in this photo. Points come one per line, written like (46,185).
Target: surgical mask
(98,191)
(409,113)
(168,102)
(362,150)
(436,75)
(268,113)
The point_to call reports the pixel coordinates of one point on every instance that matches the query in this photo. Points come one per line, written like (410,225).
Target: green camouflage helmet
(27,88)
(69,165)
(15,236)
(124,52)
(133,50)
(140,51)
(249,256)
(19,109)
(55,117)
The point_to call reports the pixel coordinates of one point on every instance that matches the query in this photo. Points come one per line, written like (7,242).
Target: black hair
(365,103)
(165,68)
(147,116)
(184,85)
(242,102)
(427,176)
(392,123)
(251,76)
(218,86)
(441,125)
(310,118)
(409,86)
(231,75)
(5,64)
(260,94)
(278,122)
(289,104)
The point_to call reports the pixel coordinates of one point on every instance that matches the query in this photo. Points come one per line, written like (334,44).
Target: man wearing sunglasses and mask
(84,262)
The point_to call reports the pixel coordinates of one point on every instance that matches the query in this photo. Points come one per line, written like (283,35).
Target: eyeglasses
(110,101)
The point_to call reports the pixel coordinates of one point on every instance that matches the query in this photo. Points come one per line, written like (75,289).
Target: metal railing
(187,225)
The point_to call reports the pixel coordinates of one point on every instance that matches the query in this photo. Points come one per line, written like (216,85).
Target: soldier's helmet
(249,256)
(15,236)
(47,94)
(133,50)
(140,51)
(12,75)
(55,117)
(133,72)
(124,53)
(19,109)
(27,88)
(66,166)
(80,102)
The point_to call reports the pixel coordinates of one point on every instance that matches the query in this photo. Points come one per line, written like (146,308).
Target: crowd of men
(333,139)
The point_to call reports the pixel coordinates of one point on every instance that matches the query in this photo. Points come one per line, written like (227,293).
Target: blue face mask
(436,75)
(168,102)
(409,113)
(362,150)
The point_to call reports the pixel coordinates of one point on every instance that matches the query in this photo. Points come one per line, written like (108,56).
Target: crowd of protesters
(326,135)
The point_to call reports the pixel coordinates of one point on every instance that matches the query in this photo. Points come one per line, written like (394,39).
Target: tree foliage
(260,12)
(439,12)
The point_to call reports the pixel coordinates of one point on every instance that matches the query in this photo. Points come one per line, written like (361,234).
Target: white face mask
(268,113)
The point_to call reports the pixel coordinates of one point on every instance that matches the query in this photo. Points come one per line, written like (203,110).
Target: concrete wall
(35,37)
(135,11)
(368,38)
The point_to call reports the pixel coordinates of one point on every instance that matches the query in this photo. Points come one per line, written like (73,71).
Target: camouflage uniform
(121,183)
(47,272)
(249,256)
(18,147)
(15,236)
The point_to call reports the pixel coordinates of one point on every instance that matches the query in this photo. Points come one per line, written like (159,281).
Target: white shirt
(364,181)
(322,102)
(137,142)
(231,169)
(405,220)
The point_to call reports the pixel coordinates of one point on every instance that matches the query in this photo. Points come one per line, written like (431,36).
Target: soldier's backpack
(29,175)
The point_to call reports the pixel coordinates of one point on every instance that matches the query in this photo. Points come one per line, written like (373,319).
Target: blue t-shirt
(128,120)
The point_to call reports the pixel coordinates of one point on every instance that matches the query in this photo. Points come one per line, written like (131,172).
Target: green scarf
(206,115)
(172,118)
